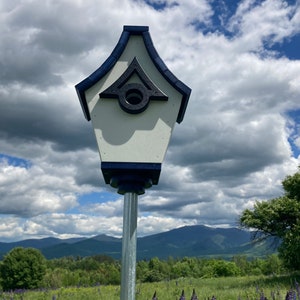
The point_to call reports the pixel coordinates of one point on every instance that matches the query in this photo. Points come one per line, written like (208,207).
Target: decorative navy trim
(113,58)
(131,177)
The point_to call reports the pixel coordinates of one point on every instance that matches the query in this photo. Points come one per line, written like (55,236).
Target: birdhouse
(133,101)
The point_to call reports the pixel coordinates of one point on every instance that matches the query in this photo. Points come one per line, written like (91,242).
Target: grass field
(229,288)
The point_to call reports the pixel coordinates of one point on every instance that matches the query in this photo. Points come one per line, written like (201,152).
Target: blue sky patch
(294,115)
(102,197)
(15,161)
(160,5)
(90,199)
(290,48)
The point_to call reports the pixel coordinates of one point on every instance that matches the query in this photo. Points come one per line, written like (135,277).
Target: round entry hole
(134,97)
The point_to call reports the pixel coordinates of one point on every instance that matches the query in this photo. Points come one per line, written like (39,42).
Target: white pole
(128,267)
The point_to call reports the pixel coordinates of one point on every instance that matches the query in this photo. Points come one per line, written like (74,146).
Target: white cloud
(231,149)
(271,21)
(29,192)
(107,209)
(297,142)
(152,224)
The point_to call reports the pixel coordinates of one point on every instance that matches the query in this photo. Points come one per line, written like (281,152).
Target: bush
(22,268)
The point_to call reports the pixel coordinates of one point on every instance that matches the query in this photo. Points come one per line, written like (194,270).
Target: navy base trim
(131,177)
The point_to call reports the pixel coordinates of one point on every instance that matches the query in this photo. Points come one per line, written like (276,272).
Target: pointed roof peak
(129,30)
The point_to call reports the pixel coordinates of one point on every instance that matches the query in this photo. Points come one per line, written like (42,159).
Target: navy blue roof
(115,55)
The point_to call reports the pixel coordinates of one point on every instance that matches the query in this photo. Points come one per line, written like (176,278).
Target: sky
(239,139)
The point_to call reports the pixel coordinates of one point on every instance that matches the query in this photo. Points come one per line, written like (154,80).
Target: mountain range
(192,241)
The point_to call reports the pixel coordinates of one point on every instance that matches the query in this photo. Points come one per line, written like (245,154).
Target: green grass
(228,288)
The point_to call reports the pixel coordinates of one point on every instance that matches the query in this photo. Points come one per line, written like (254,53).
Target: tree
(279,217)
(22,268)
(242,264)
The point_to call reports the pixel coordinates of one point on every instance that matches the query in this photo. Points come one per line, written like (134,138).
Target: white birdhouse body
(142,137)
(133,101)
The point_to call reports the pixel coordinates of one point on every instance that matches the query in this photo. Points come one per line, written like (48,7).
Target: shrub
(22,268)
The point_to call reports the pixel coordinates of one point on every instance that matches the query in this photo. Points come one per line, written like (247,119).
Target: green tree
(273,265)
(222,268)
(22,268)
(242,264)
(156,270)
(181,269)
(279,217)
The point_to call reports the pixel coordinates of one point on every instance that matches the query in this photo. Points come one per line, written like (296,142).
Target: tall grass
(229,288)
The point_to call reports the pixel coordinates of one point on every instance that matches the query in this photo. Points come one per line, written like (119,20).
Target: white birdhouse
(134,101)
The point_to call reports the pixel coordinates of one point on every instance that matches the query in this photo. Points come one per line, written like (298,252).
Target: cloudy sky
(240,136)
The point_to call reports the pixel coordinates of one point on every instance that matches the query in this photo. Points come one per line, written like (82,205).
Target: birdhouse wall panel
(143,137)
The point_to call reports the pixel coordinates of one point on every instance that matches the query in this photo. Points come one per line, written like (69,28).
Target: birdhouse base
(131,177)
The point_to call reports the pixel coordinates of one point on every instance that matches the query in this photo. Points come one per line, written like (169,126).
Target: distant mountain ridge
(196,241)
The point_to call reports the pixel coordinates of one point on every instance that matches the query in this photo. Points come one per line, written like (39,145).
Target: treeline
(101,269)
(78,271)
(27,268)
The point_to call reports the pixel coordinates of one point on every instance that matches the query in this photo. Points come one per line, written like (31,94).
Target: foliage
(156,270)
(279,217)
(102,270)
(87,271)
(225,288)
(22,268)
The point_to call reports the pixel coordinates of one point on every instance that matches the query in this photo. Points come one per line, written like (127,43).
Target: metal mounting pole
(128,268)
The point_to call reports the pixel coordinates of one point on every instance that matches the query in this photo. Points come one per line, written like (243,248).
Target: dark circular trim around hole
(134,98)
